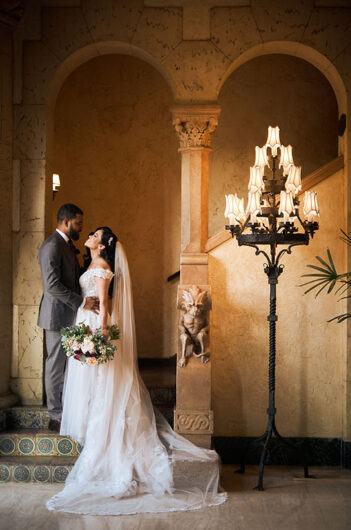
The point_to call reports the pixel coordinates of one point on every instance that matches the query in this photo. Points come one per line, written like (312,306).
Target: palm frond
(346,239)
(325,276)
(323,282)
(340,318)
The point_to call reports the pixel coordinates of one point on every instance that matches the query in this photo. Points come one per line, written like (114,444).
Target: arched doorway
(249,104)
(116,154)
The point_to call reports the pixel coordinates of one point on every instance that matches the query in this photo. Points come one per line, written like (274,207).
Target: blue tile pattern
(4,473)
(41,473)
(21,473)
(7,446)
(27,418)
(65,446)
(60,473)
(26,446)
(45,446)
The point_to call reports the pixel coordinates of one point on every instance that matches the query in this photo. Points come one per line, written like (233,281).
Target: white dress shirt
(65,237)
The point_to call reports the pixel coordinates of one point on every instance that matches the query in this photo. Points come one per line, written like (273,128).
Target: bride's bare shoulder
(100,263)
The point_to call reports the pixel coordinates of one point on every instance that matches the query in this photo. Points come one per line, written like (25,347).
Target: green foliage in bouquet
(89,346)
(325,276)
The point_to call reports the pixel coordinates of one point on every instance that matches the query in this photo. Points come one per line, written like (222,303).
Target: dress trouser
(54,373)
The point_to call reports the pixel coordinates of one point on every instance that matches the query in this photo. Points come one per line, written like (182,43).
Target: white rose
(75,345)
(88,346)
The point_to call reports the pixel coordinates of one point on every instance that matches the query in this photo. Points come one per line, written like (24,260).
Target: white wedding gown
(132,461)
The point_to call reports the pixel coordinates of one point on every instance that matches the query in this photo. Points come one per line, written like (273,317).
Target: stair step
(56,469)
(41,443)
(37,417)
(35,469)
(2,420)
(27,417)
(163,396)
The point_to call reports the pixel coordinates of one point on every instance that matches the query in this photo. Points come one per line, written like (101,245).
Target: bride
(132,460)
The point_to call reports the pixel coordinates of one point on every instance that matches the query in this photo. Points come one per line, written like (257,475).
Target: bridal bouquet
(89,346)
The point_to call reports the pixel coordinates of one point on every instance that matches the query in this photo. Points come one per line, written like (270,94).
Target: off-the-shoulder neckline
(99,269)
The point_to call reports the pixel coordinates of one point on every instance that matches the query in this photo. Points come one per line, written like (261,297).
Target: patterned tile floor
(288,503)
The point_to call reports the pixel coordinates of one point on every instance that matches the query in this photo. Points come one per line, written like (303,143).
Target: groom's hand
(92,304)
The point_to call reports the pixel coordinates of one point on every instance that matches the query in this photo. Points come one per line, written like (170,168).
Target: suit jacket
(60,274)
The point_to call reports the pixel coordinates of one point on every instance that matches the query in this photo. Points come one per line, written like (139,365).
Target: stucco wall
(310,352)
(116,154)
(270,90)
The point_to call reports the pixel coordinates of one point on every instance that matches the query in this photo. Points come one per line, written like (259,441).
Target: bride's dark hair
(109,240)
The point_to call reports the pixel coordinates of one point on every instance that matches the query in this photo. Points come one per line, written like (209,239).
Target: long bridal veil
(132,461)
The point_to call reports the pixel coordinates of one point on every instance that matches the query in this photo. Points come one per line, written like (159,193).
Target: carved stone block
(193,421)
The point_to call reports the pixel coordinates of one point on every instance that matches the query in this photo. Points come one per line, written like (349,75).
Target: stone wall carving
(194,303)
(193,421)
(195,126)
(195,133)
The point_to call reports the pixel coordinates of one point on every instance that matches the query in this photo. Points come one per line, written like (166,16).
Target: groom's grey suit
(58,306)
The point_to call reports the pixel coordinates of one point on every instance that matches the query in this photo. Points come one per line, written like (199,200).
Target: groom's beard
(73,234)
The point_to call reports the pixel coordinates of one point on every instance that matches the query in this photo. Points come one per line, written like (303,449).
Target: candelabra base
(267,440)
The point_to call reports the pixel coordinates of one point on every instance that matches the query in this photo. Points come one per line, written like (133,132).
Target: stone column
(195,125)
(28,228)
(6,397)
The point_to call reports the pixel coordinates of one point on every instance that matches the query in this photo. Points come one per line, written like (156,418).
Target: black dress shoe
(54,425)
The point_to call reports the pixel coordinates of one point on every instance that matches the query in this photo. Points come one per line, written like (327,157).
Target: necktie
(73,249)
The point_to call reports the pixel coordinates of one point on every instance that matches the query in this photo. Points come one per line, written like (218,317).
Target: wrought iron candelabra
(271,219)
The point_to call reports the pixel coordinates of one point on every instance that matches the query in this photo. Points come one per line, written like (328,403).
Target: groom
(61,300)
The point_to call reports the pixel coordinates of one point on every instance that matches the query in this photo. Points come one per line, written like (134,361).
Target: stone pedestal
(195,125)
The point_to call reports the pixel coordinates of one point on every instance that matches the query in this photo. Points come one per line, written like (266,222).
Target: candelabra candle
(286,158)
(273,140)
(234,209)
(293,182)
(256,182)
(265,199)
(261,158)
(272,219)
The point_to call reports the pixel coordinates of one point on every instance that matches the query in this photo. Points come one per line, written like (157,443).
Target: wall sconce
(55,184)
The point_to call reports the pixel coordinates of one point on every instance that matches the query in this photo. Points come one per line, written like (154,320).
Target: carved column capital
(195,124)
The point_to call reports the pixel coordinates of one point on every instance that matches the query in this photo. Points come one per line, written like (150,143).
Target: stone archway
(329,71)
(32,174)
(116,154)
(302,51)
(70,64)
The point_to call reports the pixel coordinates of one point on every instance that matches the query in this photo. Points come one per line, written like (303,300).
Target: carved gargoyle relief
(194,304)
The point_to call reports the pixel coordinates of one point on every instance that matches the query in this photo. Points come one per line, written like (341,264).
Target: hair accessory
(110,240)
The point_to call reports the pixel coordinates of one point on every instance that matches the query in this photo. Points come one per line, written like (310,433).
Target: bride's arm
(103,286)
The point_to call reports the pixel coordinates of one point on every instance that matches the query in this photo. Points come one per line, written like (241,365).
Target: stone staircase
(29,452)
